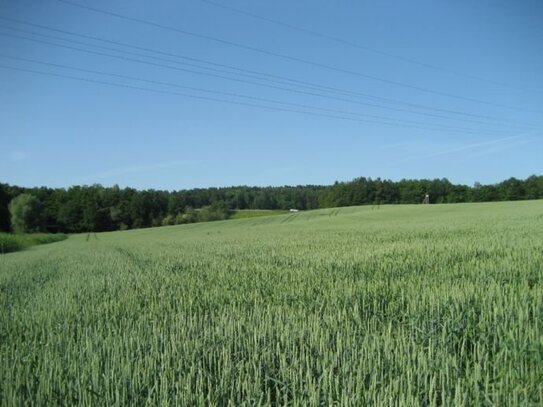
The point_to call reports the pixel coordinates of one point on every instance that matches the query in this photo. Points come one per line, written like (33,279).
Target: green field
(402,305)
(256,213)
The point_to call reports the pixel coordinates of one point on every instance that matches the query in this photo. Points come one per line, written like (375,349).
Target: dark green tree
(4,211)
(27,214)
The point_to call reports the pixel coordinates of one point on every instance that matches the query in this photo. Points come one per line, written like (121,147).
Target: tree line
(366,191)
(98,208)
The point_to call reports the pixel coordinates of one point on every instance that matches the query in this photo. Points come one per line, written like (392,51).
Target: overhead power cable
(289,57)
(119,85)
(213,99)
(427,126)
(363,47)
(295,82)
(224,77)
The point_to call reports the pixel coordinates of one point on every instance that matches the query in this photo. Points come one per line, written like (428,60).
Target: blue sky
(390,89)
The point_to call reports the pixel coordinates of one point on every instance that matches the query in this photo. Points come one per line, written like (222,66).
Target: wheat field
(425,305)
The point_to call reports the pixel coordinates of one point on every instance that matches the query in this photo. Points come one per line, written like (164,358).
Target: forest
(96,208)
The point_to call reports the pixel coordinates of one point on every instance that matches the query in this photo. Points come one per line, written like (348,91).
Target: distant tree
(511,189)
(534,187)
(216,211)
(240,200)
(190,216)
(264,200)
(4,211)
(168,220)
(180,219)
(27,214)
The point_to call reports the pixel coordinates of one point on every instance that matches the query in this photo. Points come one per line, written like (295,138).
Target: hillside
(420,304)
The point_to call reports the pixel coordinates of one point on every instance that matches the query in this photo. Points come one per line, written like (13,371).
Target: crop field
(254,213)
(430,305)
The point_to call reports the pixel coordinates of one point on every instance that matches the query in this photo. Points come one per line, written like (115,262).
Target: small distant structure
(426,199)
(294,210)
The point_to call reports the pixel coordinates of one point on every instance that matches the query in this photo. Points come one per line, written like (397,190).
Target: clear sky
(205,93)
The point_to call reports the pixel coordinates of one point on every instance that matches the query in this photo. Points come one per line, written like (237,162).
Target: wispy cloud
(502,146)
(485,147)
(472,146)
(135,169)
(15,156)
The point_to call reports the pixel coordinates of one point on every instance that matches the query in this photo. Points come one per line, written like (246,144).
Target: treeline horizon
(95,208)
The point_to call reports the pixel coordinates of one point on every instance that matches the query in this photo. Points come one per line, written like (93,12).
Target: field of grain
(402,305)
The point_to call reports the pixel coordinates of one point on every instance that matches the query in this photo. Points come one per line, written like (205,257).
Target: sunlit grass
(255,213)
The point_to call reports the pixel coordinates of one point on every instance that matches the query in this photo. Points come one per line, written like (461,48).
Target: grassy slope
(423,305)
(255,213)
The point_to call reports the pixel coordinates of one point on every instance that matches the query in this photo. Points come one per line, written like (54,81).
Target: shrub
(14,242)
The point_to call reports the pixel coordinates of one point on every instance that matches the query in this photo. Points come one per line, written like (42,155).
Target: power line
(297,82)
(191,96)
(223,77)
(238,95)
(363,47)
(206,98)
(259,76)
(152,63)
(288,57)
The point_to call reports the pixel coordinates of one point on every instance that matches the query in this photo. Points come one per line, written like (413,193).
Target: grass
(403,305)
(10,242)
(255,213)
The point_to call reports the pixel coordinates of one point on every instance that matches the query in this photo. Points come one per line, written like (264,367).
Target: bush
(10,243)
(14,242)
(168,220)
(190,216)
(44,238)
(217,211)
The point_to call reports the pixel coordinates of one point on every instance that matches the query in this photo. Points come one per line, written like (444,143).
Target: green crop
(399,305)
(255,213)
